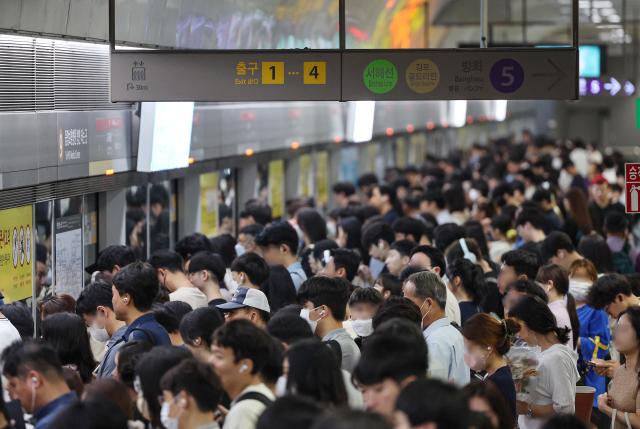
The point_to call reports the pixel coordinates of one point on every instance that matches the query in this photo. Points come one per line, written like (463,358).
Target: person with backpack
(134,290)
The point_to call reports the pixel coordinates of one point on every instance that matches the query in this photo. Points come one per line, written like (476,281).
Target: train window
(162,216)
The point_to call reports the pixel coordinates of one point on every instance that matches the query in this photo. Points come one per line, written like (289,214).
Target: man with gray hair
(444,341)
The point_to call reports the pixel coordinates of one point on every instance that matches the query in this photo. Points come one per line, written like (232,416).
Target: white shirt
(245,414)
(555,384)
(559,309)
(8,334)
(444,217)
(451,309)
(446,353)
(191,295)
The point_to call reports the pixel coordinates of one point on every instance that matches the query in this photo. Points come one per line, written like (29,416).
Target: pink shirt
(559,309)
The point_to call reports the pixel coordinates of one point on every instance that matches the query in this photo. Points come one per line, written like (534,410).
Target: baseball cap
(599,180)
(247,297)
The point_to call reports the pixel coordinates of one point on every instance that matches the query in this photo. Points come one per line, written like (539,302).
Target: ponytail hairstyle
(633,313)
(560,279)
(471,277)
(536,314)
(488,331)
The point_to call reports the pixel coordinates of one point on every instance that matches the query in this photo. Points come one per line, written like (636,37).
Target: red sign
(632,187)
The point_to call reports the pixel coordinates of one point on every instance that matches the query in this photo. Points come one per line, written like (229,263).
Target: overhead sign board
(225,76)
(632,187)
(609,86)
(464,74)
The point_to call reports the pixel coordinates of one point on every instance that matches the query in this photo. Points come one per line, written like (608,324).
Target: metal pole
(524,22)
(112,24)
(342,24)
(484,22)
(576,23)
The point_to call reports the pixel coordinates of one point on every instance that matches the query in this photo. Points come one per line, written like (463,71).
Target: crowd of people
(481,290)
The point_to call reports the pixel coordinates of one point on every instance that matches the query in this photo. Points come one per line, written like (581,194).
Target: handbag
(613,419)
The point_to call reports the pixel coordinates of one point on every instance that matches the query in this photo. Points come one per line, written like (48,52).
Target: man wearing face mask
(445,342)
(247,239)
(96,308)
(325,304)
(35,378)
(191,393)
(363,305)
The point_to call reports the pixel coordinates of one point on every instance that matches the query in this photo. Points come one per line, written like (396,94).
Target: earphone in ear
(244,368)
(34,380)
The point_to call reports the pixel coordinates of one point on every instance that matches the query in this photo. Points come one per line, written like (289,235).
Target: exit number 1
(315,73)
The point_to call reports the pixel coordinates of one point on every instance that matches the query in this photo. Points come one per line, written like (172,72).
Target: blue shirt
(108,364)
(45,415)
(298,276)
(146,328)
(446,353)
(593,323)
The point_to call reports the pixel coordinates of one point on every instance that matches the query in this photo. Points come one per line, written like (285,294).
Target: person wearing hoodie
(554,386)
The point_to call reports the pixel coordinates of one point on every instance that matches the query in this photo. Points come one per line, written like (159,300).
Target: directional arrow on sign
(629,88)
(613,86)
(558,73)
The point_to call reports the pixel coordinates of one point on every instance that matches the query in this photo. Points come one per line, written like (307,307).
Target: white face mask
(240,249)
(375,266)
(98,334)
(579,289)
(305,314)
(363,328)
(331,230)
(167,421)
(281,386)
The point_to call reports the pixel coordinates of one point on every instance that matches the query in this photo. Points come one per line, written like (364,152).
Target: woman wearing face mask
(622,402)
(312,369)
(487,340)
(555,282)
(554,388)
(595,334)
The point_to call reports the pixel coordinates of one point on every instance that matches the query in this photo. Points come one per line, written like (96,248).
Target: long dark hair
(536,314)
(353,228)
(490,393)
(67,334)
(471,277)
(560,279)
(633,313)
(312,224)
(314,371)
(579,210)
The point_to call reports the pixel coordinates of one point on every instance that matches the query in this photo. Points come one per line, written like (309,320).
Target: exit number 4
(315,73)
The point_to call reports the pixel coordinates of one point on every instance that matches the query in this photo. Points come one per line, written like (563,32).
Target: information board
(69,270)
(350,75)
(16,235)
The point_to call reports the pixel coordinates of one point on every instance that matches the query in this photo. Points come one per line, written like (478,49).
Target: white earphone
(244,368)
(466,253)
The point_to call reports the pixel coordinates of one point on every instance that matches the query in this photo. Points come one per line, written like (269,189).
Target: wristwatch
(529,411)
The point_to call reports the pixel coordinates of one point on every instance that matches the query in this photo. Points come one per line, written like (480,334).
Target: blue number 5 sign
(507,75)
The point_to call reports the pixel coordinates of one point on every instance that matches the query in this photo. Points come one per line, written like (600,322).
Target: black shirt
(468,309)
(503,380)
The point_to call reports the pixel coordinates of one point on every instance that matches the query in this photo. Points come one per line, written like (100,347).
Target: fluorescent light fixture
(360,119)
(500,110)
(457,113)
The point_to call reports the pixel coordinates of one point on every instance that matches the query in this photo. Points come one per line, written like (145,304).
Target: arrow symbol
(613,86)
(559,74)
(629,88)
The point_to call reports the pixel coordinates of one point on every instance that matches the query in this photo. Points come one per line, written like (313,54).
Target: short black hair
(446,234)
(277,234)
(375,232)
(403,247)
(435,196)
(556,240)
(115,255)
(390,283)
(528,287)
(365,295)
(200,323)
(128,356)
(605,290)
(21,357)
(20,317)
(246,341)
(260,213)
(397,307)
(616,223)
(435,255)
(409,357)
(534,216)
(541,195)
(225,246)
(253,265)
(208,261)
(191,244)
(367,179)
(502,223)
(140,281)
(94,414)
(523,262)
(289,327)
(198,380)
(347,259)
(332,292)
(290,411)
(92,296)
(167,259)
(167,319)
(407,272)
(346,188)
(433,401)
(253,230)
